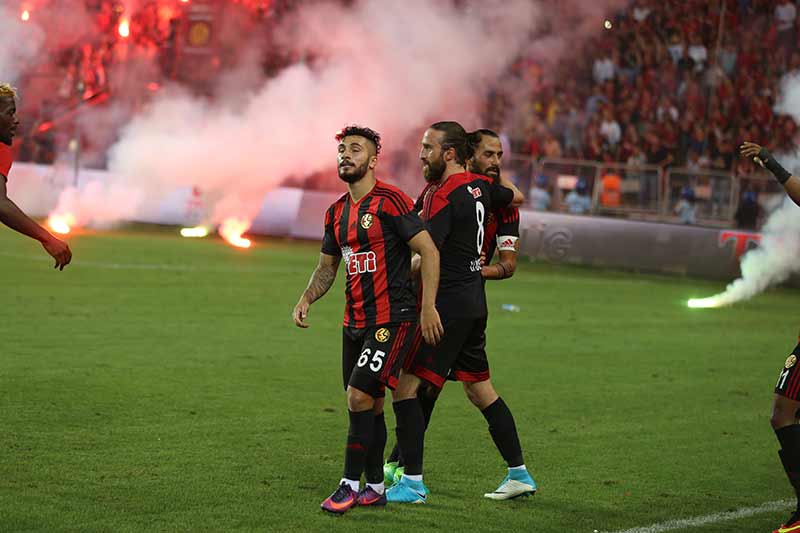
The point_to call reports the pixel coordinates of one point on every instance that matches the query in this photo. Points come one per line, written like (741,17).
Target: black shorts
(461,353)
(789,379)
(372,357)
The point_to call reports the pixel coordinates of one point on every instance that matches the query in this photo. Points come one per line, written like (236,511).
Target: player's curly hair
(369,134)
(456,137)
(7,91)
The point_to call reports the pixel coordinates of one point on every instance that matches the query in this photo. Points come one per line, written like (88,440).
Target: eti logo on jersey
(361,263)
(476,192)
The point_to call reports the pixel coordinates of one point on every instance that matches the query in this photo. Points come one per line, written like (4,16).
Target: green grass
(158,384)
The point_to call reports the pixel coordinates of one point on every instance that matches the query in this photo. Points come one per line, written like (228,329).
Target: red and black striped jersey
(372,236)
(456,214)
(502,231)
(6,159)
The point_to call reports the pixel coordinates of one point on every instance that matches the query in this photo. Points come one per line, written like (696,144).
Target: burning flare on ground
(124,29)
(706,303)
(61,223)
(232,229)
(196,232)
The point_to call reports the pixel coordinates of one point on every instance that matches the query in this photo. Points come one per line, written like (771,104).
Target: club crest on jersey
(790,361)
(476,192)
(382,335)
(367,220)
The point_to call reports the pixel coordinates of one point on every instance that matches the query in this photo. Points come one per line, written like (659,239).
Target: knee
(358,400)
(481,394)
(782,415)
(377,408)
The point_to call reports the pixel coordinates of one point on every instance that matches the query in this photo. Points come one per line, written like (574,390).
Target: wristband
(771,164)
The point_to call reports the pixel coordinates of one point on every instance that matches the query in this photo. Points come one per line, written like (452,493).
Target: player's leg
(472,368)
(387,349)
(429,363)
(394,468)
(361,394)
(374,493)
(785,424)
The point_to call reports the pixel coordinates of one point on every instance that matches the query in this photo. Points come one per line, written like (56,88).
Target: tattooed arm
(321,280)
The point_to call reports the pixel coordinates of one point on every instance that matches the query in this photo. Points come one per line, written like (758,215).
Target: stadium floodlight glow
(196,232)
(61,223)
(704,303)
(232,229)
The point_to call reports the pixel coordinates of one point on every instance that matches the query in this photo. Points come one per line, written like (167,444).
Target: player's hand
(300,313)
(753,150)
(483,258)
(431,325)
(59,251)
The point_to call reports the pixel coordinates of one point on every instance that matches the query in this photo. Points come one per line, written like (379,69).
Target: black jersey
(456,213)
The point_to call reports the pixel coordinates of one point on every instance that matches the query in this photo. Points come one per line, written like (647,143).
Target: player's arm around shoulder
(321,281)
(429,321)
(518,198)
(13,217)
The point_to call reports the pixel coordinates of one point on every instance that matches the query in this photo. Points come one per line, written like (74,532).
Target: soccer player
(502,227)
(455,204)
(502,233)
(11,215)
(373,228)
(786,405)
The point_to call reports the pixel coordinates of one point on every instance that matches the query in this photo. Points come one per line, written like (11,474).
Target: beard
(352,174)
(493,172)
(434,170)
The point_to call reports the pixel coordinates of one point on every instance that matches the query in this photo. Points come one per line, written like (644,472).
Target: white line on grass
(138,266)
(744,512)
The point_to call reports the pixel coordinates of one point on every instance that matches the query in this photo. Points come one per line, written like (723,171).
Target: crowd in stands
(670,82)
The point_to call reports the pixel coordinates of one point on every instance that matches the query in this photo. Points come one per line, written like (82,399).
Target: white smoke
(22,42)
(393,66)
(776,257)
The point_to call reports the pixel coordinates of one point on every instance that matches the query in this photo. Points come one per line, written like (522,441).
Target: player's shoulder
(335,208)
(395,201)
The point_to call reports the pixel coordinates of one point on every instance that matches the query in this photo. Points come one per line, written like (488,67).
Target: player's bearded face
(350,172)
(487,158)
(433,167)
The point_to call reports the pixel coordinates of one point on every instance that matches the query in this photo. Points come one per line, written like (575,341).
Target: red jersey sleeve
(5,160)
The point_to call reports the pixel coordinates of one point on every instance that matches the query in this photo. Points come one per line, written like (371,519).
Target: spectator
(698,52)
(686,208)
(551,148)
(538,196)
(578,201)
(609,128)
(604,69)
(748,212)
(785,15)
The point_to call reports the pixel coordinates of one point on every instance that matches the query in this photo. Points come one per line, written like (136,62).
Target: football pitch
(158,384)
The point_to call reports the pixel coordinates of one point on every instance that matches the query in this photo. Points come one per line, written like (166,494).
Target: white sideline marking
(744,512)
(135,266)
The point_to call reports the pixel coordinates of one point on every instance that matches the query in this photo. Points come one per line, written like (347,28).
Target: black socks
(358,440)
(504,432)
